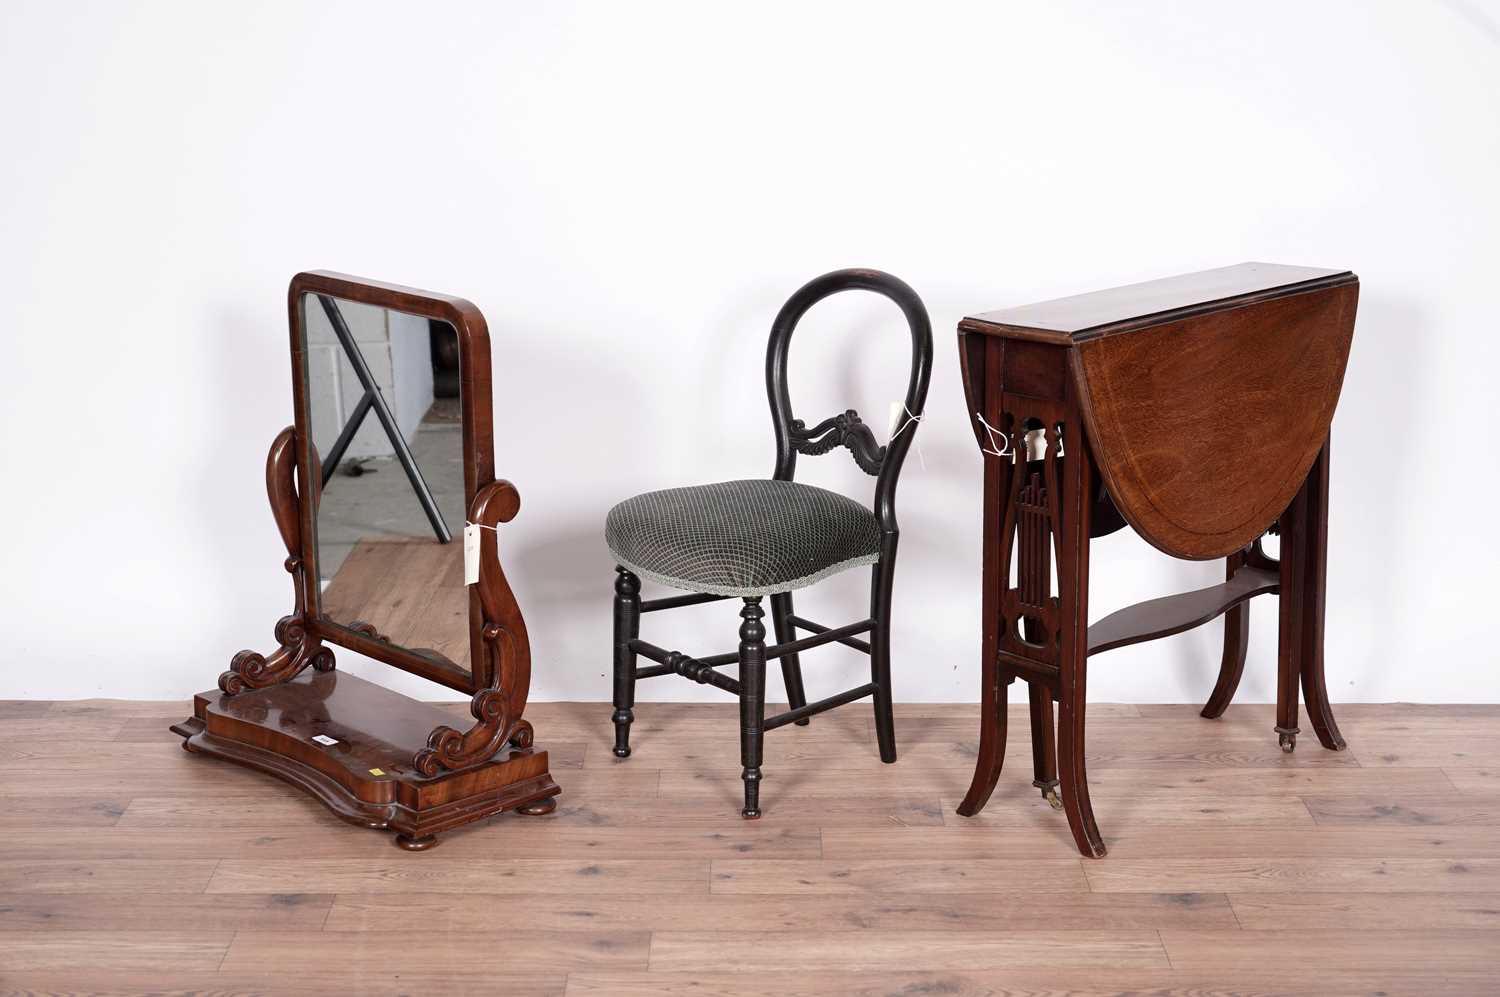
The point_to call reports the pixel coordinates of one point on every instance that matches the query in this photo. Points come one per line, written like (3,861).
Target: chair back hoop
(793,436)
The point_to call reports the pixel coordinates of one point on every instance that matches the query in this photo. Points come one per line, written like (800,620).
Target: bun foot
(750,814)
(420,843)
(538,808)
(622,752)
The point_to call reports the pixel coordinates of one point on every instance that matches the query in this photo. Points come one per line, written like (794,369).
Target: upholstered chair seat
(742,538)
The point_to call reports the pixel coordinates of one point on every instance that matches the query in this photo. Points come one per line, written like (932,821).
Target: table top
(1119,309)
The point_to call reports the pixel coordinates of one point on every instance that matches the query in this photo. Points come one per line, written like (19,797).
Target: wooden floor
(131,866)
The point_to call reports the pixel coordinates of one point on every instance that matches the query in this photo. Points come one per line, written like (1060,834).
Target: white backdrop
(629,191)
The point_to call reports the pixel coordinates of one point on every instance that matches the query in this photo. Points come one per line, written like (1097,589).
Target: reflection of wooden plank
(412,591)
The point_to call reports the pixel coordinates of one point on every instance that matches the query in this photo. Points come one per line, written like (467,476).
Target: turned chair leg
(627,629)
(880,654)
(791,665)
(752,701)
(1236,643)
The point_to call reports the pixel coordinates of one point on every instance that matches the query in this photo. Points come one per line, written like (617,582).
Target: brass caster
(538,808)
(1288,742)
(418,844)
(1053,800)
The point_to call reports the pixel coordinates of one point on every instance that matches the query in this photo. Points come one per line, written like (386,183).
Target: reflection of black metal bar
(336,452)
(373,398)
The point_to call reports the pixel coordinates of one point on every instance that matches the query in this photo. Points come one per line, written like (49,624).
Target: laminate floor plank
(881,877)
(876,810)
(468,952)
(25,813)
(962,840)
(158,952)
(1366,911)
(29,732)
(1121,811)
(107,875)
(809,912)
(18,709)
(1442,809)
(1377,875)
(387,977)
(163,912)
(1484,781)
(435,874)
(509,835)
(175,708)
(1027,982)
(1416,746)
(902,951)
(1402,951)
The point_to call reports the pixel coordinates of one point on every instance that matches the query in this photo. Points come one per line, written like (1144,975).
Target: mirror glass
(383,403)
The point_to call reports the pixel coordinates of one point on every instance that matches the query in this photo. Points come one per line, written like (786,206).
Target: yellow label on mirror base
(377,771)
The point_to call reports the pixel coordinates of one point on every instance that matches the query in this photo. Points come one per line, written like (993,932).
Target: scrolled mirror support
(497,708)
(299,647)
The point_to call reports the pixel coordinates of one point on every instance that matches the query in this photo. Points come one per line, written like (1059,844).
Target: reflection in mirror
(383,401)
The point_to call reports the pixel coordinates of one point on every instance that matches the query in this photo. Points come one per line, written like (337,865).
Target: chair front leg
(880,649)
(791,665)
(752,701)
(627,629)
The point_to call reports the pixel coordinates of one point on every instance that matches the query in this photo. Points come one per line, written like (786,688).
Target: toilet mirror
(385,378)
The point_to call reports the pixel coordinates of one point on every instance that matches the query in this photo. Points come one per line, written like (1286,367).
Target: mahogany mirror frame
(373,756)
(476,404)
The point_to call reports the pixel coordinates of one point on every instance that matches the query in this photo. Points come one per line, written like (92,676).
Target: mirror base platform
(365,776)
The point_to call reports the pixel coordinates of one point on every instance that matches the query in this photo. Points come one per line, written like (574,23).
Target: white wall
(629,191)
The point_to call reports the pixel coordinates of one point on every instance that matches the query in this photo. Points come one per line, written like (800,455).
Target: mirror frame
(476,405)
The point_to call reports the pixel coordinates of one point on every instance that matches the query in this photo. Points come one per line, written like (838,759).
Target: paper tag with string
(897,411)
(471,553)
(899,426)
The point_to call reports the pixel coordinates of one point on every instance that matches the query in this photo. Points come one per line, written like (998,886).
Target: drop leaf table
(1195,409)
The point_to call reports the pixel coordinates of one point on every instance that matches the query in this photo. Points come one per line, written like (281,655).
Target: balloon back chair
(755,538)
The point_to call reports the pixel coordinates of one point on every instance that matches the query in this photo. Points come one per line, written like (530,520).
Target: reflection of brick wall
(396,347)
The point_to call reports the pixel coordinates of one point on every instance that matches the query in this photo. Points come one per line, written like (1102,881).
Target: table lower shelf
(1173,614)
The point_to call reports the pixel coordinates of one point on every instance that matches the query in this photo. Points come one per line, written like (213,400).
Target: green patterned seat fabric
(741,538)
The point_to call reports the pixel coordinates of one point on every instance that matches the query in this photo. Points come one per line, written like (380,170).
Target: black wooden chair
(750,539)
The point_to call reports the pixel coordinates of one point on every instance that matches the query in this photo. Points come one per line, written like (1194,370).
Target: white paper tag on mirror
(471,554)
